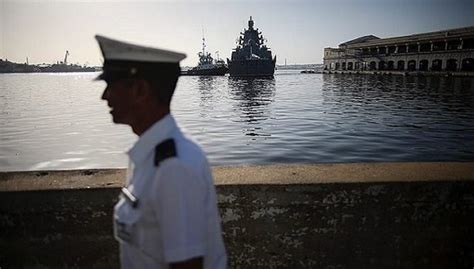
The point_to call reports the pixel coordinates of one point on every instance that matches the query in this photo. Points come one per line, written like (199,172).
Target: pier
(399,73)
(366,215)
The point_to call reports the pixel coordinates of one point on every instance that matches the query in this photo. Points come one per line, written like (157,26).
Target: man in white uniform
(167,216)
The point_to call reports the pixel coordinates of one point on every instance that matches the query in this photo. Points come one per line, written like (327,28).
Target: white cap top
(118,50)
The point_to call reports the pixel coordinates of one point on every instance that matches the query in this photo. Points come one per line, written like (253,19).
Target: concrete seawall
(381,215)
(402,73)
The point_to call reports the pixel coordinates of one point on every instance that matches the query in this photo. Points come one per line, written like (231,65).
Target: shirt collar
(146,143)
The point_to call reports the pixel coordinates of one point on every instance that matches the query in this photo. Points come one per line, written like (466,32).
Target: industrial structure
(443,51)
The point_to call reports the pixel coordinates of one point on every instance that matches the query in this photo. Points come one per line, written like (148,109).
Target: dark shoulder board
(164,150)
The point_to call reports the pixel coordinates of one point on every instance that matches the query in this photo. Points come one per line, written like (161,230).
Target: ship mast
(203,44)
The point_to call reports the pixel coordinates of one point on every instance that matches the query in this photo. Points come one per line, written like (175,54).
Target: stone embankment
(401,73)
(379,215)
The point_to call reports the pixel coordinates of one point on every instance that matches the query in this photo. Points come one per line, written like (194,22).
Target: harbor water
(58,121)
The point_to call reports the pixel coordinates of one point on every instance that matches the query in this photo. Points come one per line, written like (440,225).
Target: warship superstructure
(251,57)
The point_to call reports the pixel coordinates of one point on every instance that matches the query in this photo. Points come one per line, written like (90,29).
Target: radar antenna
(250,23)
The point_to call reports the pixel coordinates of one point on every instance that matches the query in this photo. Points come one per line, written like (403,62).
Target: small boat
(207,66)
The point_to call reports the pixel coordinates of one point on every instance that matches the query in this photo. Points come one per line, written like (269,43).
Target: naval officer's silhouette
(167,216)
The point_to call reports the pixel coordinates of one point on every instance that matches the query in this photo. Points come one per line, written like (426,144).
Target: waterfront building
(449,50)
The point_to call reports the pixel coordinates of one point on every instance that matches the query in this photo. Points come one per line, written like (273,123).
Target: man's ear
(142,90)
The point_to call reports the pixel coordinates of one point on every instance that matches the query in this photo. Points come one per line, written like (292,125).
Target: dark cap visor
(114,70)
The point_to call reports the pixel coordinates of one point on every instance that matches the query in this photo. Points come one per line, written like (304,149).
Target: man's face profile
(119,95)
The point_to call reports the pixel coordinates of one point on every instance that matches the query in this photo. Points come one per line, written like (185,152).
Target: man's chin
(118,121)
(115,118)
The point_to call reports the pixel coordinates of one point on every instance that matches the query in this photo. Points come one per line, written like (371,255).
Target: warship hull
(252,68)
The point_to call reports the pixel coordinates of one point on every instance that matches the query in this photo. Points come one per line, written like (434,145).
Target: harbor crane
(65,57)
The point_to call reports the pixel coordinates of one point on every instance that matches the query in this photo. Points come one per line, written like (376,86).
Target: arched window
(467,64)
(344,66)
(372,65)
(337,66)
(350,65)
(390,65)
(436,65)
(452,65)
(401,65)
(381,65)
(357,66)
(423,65)
(411,65)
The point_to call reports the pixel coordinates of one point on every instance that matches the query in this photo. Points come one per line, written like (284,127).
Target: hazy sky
(296,30)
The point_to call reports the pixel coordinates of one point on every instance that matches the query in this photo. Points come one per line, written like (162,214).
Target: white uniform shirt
(175,216)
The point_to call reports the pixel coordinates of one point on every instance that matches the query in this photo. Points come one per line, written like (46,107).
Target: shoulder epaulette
(164,150)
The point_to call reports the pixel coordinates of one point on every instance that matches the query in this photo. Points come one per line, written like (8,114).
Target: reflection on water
(425,118)
(253,97)
(57,121)
(206,87)
(398,95)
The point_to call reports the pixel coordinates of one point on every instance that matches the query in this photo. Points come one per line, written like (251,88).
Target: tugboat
(251,57)
(207,66)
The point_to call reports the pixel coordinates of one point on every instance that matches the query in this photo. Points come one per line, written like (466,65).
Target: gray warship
(251,57)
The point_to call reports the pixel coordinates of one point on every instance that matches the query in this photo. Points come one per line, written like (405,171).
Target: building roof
(456,33)
(358,40)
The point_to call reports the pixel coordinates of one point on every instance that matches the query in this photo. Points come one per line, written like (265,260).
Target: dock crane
(65,57)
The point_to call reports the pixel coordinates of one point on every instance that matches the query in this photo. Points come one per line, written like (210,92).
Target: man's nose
(105,94)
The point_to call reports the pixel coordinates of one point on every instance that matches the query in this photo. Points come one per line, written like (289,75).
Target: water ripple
(57,121)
